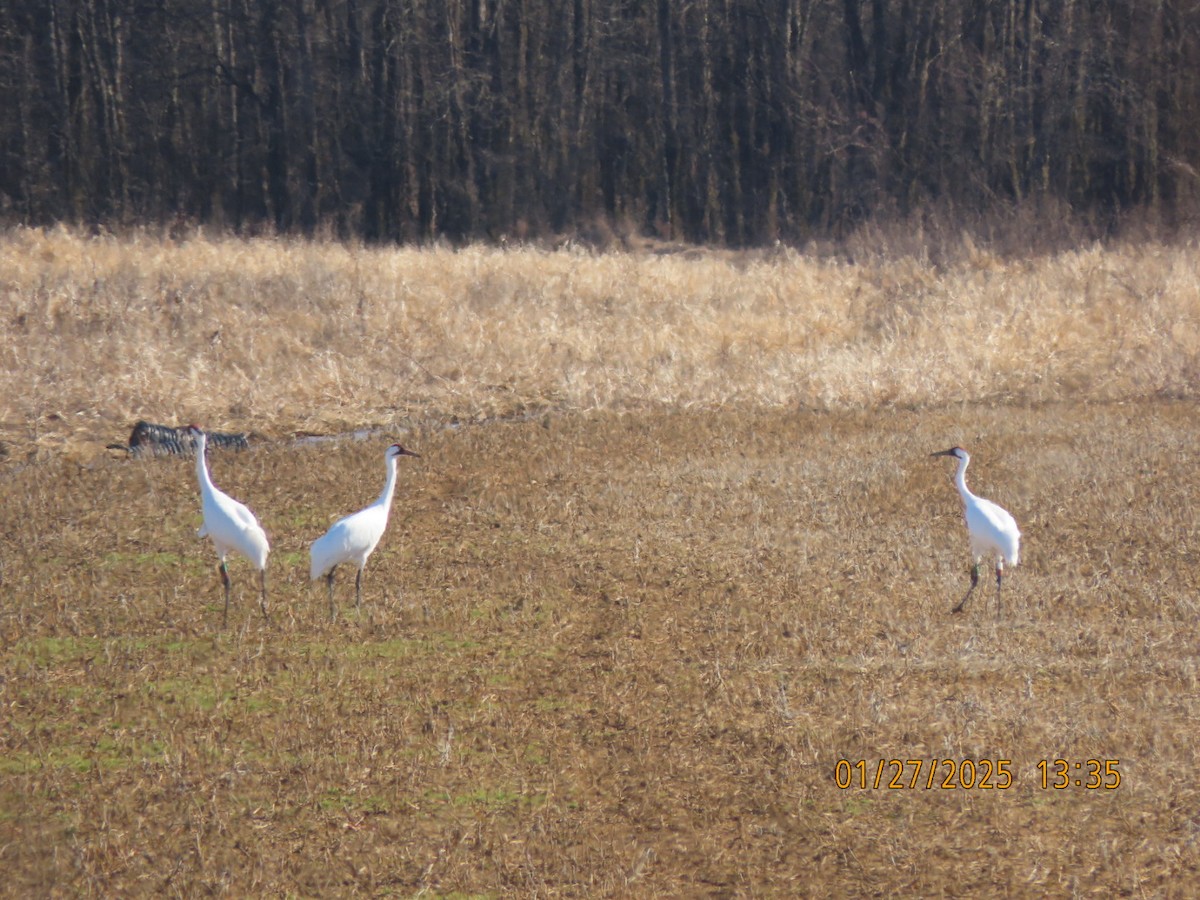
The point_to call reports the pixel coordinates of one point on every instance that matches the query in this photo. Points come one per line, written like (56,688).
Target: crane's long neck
(389,487)
(960,479)
(206,485)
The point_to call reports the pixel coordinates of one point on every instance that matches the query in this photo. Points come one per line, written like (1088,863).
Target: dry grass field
(675,547)
(281,336)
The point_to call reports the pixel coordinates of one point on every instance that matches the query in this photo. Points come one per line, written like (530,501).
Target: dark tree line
(724,121)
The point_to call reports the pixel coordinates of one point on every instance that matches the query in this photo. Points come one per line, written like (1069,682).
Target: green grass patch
(198,693)
(337,799)
(54,651)
(495,799)
(155,559)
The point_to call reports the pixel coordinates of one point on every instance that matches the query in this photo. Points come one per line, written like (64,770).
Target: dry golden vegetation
(276,335)
(617,645)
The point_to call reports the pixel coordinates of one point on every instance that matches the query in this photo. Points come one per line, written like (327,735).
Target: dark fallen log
(163,440)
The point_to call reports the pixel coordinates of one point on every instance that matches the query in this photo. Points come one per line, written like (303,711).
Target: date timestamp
(972,774)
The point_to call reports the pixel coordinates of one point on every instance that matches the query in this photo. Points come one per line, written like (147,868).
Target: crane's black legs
(262,576)
(357,592)
(967,596)
(262,580)
(225,580)
(975,583)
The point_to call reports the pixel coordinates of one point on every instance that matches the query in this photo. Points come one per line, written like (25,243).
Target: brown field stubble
(609,649)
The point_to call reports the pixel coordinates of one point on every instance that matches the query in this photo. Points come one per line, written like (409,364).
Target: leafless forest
(708,121)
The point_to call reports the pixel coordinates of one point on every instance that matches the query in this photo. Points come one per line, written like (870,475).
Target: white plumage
(230,525)
(992,529)
(354,538)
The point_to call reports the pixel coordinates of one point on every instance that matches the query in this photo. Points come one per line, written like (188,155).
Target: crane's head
(396,451)
(956,452)
(199,439)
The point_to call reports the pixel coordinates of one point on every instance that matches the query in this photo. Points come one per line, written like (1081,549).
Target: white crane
(230,524)
(992,529)
(354,538)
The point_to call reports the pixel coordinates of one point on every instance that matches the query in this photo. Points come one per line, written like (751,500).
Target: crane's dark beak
(404,452)
(949,452)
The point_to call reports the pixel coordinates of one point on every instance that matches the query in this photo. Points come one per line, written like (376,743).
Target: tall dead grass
(274,335)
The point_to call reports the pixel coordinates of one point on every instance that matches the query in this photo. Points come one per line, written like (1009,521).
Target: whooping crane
(354,538)
(230,524)
(991,528)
